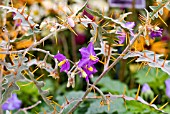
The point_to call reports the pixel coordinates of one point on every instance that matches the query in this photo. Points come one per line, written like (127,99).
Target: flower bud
(71,22)
(147,92)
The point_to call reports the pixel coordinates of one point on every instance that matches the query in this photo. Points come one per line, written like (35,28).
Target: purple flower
(64,63)
(130,24)
(88,71)
(147,92)
(167,83)
(122,35)
(88,56)
(157,32)
(12,103)
(145,88)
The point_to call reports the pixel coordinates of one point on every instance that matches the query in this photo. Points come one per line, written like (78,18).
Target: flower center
(62,62)
(93,58)
(90,68)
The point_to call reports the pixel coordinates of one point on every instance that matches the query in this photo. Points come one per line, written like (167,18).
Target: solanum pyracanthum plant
(73,56)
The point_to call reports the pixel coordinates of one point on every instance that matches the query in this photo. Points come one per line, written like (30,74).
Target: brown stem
(105,71)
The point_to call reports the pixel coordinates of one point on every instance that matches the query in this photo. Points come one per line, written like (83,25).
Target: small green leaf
(113,86)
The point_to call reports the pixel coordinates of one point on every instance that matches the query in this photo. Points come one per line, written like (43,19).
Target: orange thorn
(66,100)
(148,71)
(163,106)
(137,94)
(154,60)
(144,54)
(124,92)
(164,61)
(153,100)
(23,9)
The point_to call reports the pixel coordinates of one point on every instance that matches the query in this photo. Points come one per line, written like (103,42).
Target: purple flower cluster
(86,63)
(156,32)
(64,63)
(12,103)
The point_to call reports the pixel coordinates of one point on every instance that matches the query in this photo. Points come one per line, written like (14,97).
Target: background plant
(47,47)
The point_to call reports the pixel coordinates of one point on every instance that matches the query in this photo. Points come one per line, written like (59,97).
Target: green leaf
(136,107)
(116,105)
(109,85)
(155,81)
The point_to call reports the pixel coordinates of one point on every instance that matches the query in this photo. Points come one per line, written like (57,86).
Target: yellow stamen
(61,63)
(93,58)
(90,68)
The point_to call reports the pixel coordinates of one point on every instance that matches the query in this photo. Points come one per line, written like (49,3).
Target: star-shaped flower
(88,56)
(64,63)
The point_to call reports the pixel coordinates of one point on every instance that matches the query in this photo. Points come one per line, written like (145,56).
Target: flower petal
(59,57)
(65,67)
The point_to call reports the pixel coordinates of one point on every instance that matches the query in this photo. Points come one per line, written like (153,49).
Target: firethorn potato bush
(84,57)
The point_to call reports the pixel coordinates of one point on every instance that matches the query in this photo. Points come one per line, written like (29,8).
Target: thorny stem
(27,108)
(37,43)
(106,70)
(101,93)
(113,64)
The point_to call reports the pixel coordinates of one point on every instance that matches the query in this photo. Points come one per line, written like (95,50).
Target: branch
(27,108)
(105,71)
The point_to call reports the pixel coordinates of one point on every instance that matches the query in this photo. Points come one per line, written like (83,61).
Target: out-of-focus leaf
(156,81)
(109,85)
(116,105)
(136,107)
